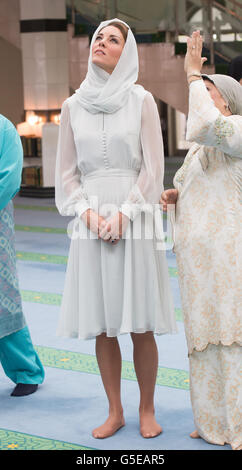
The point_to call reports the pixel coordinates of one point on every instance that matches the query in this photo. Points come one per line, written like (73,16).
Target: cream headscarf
(230,90)
(104,92)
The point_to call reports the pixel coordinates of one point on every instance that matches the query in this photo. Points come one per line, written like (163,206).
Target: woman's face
(219,101)
(107,48)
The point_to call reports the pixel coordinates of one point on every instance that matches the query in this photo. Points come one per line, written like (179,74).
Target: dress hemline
(222,343)
(13,331)
(93,336)
(222,442)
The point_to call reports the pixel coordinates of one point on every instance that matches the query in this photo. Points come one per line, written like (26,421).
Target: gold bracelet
(194,74)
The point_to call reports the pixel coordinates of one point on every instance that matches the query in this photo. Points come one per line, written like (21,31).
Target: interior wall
(11,75)
(11,82)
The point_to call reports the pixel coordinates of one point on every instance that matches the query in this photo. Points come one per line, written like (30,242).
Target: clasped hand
(110,230)
(168,197)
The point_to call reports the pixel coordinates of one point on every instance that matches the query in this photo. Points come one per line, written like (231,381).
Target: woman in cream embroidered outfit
(208,246)
(109,164)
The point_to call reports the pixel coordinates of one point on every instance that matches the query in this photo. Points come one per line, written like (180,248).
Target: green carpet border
(16,440)
(32,207)
(47,298)
(58,259)
(38,229)
(35,208)
(87,363)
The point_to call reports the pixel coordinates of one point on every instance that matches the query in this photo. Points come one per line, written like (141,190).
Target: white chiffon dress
(111,162)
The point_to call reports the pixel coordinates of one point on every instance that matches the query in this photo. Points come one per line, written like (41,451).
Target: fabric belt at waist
(110,172)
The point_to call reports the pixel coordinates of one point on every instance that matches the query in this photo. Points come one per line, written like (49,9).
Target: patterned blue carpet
(71,401)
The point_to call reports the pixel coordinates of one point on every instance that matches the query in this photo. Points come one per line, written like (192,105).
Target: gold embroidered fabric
(223,129)
(216,373)
(208,225)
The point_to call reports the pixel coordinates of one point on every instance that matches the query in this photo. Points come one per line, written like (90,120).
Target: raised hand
(193,59)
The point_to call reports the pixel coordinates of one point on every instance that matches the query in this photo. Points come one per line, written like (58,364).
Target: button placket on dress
(104,145)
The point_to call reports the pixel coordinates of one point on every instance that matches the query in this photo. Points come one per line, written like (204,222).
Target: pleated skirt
(115,289)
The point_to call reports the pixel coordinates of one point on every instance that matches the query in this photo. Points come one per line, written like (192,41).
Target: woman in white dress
(208,246)
(109,172)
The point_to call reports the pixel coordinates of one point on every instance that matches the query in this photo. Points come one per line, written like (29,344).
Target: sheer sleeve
(11,162)
(69,195)
(207,126)
(149,185)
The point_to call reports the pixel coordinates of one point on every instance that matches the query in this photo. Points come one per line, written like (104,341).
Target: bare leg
(146,365)
(109,361)
(194,435)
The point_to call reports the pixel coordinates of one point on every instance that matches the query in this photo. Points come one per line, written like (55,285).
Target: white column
(44,53)
(44,42)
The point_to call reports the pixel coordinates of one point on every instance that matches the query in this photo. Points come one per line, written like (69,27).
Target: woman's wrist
(193,78)
(193,71)
(124,216)
(193,74)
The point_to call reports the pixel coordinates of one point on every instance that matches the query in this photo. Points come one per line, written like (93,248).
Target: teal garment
(11,313)
(19,359)
(11,161)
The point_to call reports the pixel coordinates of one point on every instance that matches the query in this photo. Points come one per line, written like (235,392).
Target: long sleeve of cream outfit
(207,126)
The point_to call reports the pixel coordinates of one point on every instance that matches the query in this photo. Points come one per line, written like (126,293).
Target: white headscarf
(230,90)
(104,92)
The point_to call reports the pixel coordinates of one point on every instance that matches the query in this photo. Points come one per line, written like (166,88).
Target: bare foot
(194,435)
(111,425)
(149,426)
